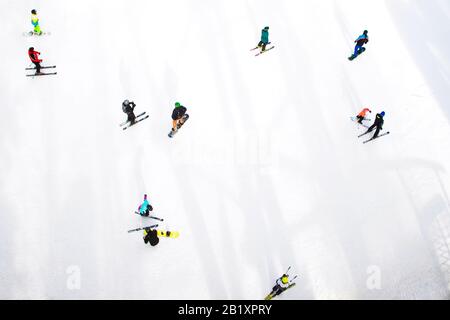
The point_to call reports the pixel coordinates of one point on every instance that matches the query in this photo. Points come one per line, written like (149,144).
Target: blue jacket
(362,39)
(264,36)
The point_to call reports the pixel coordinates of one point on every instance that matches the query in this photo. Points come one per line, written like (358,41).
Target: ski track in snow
(268,171)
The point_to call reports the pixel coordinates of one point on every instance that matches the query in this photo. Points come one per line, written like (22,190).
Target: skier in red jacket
(34,57)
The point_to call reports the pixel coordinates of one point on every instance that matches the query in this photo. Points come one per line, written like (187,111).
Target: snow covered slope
(267,173)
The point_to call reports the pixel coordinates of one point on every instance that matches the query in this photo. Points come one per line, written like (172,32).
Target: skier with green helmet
(179,117)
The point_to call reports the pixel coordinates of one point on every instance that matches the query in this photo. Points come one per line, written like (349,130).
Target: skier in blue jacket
(360,41)
(145,207)
(264,38)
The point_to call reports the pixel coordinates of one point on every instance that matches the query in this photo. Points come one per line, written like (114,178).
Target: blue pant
(357,48)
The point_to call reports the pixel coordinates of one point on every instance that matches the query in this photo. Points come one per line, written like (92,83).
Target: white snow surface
(268,171)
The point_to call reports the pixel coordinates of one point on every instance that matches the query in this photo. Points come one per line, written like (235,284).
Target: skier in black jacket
(151,235)
(179,116)
(128,108)
(378,124)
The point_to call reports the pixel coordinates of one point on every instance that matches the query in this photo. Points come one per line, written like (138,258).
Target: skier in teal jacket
(264,38)
(145,207)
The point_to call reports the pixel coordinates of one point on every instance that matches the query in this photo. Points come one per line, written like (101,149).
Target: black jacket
(128,108)
(362,42)
(379,121)
(178,113)
(151,235)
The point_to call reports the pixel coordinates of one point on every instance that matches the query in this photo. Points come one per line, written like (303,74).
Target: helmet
(284,278)
(31,49)
(126,102)
(33,11)
(382,113)
(365,31)
(177,105)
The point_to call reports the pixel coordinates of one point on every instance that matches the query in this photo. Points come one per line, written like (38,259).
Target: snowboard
(353,55)
(168,234)
(172,133)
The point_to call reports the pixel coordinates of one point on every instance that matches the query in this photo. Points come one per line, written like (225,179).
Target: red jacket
(363,112)
(34,56)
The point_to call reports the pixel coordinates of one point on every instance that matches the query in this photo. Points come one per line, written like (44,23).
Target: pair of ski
(270,296)
(127,124)
(42,73)
(257,47)
(151,217)
(373,138)
(142,228)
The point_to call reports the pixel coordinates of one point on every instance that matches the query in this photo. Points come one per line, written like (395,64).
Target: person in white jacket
(281,284)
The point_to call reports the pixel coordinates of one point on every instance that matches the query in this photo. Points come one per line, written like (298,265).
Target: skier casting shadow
(282,284)
(34,57)
(145,207)
(264,39)
(151,236)
(378,124)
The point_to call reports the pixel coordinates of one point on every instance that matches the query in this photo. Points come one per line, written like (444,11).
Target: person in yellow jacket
(35,22)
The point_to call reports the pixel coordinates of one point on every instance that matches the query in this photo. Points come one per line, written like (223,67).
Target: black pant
(377,131)
(147,212)
(263,45)
(360,119)
(276,290)
(38,66)
(131,117)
